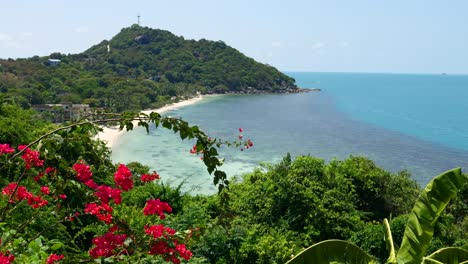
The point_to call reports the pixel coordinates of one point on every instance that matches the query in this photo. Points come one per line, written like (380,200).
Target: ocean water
(408,122)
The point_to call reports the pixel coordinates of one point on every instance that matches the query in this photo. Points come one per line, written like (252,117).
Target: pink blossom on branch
(157,231)
(101,211)
(6,149)
(30,157)
(150,177)
(83,171)
(156,207)
(123,178)
(6,258)
(54,258)
(105,193)
(106,245)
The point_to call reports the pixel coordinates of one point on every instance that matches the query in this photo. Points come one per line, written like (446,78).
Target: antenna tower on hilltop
(138,16)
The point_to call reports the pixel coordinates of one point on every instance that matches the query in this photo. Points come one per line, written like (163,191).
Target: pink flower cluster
(54,258)
(150,177)
(106,245)
(123,178)
(157,231)
(30,157)
(162,248)
(23,194)
(6,258)
(84,174)
(105,193)
(6,149)
(153,207)
(101,211)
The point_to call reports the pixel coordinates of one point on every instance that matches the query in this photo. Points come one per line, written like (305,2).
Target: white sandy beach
(111,134)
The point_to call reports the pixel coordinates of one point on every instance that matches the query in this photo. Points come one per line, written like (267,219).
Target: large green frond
(450,255)
(431,202)
(333,251)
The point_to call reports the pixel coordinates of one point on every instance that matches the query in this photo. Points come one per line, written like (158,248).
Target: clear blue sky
(409,36)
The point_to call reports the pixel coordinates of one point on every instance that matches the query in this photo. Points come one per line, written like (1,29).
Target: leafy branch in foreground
(65,185)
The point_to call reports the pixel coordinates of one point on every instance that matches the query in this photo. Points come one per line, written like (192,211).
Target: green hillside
(138,68)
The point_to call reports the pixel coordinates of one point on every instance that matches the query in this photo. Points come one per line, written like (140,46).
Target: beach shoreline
(110,135)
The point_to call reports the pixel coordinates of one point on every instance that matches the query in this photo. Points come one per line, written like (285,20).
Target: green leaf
(450,255)
(56,246)
(34,246)
(329,251)
(390,245)
(431,202)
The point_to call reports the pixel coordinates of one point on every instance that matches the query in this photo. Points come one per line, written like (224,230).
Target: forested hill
(138,68)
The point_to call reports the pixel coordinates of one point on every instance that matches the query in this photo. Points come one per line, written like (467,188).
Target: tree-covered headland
(139,68)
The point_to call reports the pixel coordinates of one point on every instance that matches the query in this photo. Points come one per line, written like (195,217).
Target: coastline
(109,135)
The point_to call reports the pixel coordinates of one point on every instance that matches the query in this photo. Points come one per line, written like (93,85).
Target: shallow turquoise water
(397,120)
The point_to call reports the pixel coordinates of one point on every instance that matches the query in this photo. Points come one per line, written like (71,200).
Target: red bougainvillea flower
(101,211)
(38,177)
(50,170)
(6,258)
(21,193)
(54,258)
(169,253)
(63,196)
(83,171)
(5,149)
(45,190)
(193,150)
(123,178)
(37,201)
(157,231)
(91,184)
(183,251)
(248,144)
(105,245)
(241,130)
(105,193)
(150,177)
(30,157)
(160,248)
(153,207)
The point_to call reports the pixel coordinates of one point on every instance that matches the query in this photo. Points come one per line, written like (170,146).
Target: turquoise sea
(401,121)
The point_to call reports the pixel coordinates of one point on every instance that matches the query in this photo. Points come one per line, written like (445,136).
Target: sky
(397,36)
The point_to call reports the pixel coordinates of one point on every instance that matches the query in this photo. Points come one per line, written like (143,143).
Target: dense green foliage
(144,68)
(18,125)
(416,238)
(264,217)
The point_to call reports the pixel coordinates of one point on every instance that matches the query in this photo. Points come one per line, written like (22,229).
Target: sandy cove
(110,134)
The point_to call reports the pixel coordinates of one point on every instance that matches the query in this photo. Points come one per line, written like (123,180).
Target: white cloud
(27,34)
(5,36)
(318,45)
(12,44)
(276,44)
(81,29)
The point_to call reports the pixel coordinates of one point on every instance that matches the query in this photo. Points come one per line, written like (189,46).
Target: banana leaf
(431,202)
(390,245)
(449,255)
(333,251)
